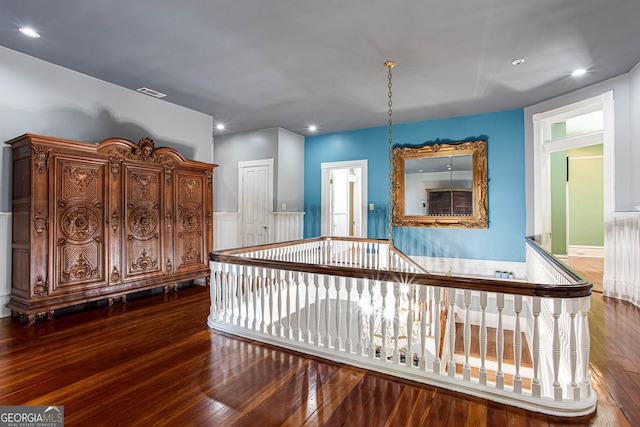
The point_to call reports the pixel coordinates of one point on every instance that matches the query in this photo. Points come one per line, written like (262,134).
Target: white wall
(634,95)
(287,150)
(240,147)
(42,98)
(290,176)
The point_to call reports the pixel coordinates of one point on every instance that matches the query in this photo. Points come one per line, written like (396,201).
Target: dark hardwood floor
(153,361)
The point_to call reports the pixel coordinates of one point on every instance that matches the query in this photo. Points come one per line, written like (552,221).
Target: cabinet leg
(33,317)
(121,298)
(173,288)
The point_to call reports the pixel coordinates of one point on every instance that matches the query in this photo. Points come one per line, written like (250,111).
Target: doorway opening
(574,177)
(344,199)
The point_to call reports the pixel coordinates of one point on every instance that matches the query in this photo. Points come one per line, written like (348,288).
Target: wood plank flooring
(590,268)
(153,361)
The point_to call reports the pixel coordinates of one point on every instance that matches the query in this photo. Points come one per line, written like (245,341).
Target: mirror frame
(478,151)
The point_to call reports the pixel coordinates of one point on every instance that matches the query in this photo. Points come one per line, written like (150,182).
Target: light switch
(284,206)
(370,206)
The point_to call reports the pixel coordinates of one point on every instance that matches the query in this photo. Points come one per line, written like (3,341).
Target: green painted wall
(558,194)
(586,196)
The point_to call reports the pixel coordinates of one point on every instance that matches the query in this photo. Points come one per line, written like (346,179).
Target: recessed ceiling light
(220,126)
(313,128)
(517,61)
(151,92)
(30,32)
(578,72)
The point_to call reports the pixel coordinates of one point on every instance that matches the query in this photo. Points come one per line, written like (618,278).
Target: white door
(340,201)
(255,198)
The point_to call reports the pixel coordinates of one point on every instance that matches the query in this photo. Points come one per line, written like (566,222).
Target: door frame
(544,146)
(242,165)
(326,168)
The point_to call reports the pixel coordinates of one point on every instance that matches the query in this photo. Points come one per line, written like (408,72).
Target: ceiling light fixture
(578,72)
(29,32)
(220,126)
(313,128)
(518,61)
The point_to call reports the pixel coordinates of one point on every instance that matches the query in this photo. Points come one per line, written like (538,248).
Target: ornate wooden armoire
(100,221)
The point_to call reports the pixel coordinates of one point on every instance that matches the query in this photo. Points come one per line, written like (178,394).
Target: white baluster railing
(329,303)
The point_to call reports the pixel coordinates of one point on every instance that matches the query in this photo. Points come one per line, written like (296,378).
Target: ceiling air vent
(151,92)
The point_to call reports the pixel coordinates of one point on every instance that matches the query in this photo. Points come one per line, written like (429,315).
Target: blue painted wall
(504,133)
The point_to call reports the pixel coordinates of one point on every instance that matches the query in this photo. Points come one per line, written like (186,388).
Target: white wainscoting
(284,226)
(470,267)
(5,257)
(226,230)
(622,257)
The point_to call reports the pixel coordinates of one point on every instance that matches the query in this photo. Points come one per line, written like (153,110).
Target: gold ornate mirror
(440,185)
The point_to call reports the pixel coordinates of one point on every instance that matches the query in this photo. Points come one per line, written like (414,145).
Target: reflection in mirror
(441,185)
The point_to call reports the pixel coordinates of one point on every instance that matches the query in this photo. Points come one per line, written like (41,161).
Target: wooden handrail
(561,267)
(267,246)
(579,289)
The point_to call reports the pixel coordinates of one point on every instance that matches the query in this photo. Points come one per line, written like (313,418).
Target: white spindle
(422,304)
(361,316)
(339,282)
(247,292)
(297,332)
(535,383)
(372,318)
(557,389)
(347,285)
(585,345)
(239,282)
(327,311)
(383,294)
(289,283)
(573,391)
(517,344)
(396,323)
(271,285)
(500,341)
(316,335)
(225,294)
(215,285)
(410,310)
(254,293)
(452,332)
(436,324)
(307,309)
(467,335)
(483,338)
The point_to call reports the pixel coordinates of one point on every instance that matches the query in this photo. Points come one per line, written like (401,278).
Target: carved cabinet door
(143,210)
(190,234)
(78,237)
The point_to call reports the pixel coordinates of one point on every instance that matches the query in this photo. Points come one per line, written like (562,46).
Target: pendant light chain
(390,65)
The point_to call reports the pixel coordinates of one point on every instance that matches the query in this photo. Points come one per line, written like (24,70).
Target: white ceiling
(255,64)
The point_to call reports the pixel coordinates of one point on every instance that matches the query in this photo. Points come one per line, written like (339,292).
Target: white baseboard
(586,251)
(471,267)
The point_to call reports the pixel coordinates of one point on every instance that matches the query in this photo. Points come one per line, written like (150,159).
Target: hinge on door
(331,181)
